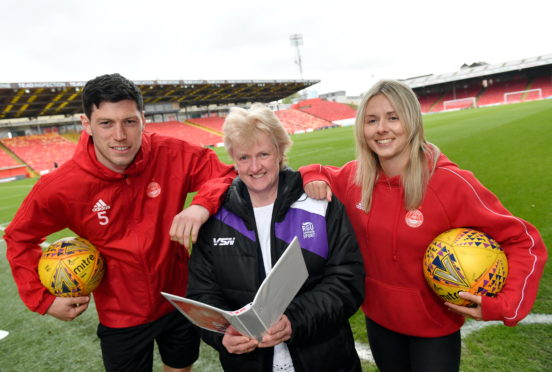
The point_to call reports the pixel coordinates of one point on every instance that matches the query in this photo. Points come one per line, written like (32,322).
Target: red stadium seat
(327,110)
(494,94)
(213,122)
(543,82)
(297,121)
(6,160)
(186,132)
(41,151)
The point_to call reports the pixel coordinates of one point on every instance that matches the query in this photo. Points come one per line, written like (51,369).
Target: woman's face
(258,165)
(385,134)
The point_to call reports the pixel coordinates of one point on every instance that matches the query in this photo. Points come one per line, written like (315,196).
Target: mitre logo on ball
(464,260)
(71,267)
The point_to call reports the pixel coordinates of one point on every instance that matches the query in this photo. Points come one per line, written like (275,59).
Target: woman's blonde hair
(243,127)
(422,153)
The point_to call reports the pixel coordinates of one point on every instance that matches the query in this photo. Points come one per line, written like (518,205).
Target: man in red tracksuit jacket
(122,190)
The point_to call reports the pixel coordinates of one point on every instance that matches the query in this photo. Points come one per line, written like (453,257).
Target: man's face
(116,128)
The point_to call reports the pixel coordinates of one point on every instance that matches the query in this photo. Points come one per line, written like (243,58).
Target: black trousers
(395,352)
(131,349)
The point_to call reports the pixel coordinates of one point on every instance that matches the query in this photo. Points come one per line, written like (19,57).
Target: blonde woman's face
(385,134)
(258,166)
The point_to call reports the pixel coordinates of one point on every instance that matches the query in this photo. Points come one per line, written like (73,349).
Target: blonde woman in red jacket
(400,193)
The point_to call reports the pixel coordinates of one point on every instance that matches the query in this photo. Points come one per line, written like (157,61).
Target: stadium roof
(31,100)
(484,70)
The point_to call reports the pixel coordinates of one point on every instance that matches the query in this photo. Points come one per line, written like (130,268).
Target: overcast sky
(347,44)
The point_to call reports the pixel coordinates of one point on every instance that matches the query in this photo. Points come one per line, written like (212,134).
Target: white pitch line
(3,334)
(365,353)
(474,326)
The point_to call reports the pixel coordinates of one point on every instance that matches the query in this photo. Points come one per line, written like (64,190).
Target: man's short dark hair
(109,88)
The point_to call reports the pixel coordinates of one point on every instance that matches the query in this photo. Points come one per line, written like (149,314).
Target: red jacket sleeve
(210,178)
(23,238)
(339,178)
(470,204)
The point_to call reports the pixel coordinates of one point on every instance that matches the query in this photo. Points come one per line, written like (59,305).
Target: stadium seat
(326,110)
(429,100)
(296,121)
(543,82)
(186,132)
(214,122)
(41,151)
(6,160)
(434,101)
(494,94)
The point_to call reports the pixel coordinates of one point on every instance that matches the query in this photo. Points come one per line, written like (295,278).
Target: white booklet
(270,302)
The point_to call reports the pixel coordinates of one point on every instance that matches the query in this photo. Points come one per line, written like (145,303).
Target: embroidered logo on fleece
(414,218)
(100,208)
(153,190)
(308,230)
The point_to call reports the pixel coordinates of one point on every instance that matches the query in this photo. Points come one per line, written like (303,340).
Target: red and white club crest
(414,218)
(154,189)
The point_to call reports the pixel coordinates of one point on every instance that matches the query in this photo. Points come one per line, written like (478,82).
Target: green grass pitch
(507,148)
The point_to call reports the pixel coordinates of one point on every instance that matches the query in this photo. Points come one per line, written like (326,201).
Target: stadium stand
(32,109)
(72,136)
(213,122)
(55,106)
(543,82)
(494,94)
(428,100)
(456,98)
(185,132)
(448,97)
(40,151)
(293,120)
(489,83)
(6,160)
(327,110)
(21,100)
(296,121)
(433,99)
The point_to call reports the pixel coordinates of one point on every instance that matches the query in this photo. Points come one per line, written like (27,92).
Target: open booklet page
(270,302)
